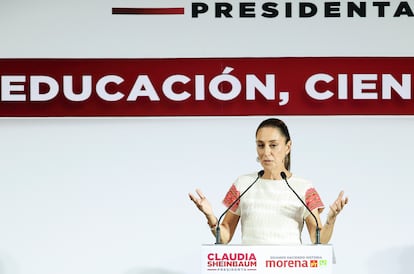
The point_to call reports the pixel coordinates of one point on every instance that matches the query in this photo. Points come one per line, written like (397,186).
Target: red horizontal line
(143,11)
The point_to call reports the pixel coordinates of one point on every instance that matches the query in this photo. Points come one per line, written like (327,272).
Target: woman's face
(272,148)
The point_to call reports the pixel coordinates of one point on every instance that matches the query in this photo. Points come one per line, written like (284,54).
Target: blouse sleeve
(230,197)
(313,200)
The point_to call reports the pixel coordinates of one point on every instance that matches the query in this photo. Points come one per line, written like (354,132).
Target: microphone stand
(318,230)
(218,240)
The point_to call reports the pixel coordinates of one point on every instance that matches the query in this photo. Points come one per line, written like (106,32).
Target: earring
(257,159)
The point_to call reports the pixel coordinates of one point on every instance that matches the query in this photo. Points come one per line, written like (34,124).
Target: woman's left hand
(338,205)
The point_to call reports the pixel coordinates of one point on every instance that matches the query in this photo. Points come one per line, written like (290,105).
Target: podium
(263,259)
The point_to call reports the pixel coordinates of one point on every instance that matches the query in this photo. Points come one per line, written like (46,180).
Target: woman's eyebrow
(270,141)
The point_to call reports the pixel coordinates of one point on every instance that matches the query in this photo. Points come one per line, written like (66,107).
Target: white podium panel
(262,259)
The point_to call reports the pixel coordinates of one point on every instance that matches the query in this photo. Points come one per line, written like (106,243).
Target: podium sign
(262,259)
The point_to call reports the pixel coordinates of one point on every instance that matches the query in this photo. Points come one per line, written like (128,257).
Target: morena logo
(280,9)
(295,263)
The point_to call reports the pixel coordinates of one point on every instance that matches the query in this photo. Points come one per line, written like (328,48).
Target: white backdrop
(109,196)
(65,28)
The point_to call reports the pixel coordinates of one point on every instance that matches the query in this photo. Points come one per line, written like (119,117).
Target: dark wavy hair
(278,124)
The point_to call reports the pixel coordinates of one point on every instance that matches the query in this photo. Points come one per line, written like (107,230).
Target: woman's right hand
(202,203)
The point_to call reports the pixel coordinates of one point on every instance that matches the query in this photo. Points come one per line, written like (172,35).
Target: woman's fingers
(200,194)
(339,203)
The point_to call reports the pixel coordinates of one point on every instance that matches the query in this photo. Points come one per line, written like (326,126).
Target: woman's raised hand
(201,202)
(337,206)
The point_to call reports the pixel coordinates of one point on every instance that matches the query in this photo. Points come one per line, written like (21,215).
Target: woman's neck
(276,174)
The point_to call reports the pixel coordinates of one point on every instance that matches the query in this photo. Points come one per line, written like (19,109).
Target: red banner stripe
(147,11)
(207,86)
